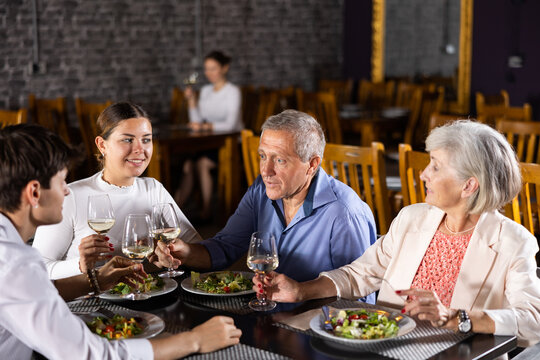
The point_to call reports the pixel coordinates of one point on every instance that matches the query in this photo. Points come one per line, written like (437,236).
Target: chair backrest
(491,113)
(432,101)
(50,113)
(524,209)
(524,136)
(363,169)
(501,99)
(438,119)
(341,89)
(373,95)
(411,165)
(179,107)
(13,117)
(250,154)
(250,105)
(87,114)
(268,105)
(322,106)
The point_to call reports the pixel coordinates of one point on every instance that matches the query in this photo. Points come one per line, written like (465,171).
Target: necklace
(455,232)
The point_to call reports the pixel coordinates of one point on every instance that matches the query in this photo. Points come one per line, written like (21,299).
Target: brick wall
(139,50)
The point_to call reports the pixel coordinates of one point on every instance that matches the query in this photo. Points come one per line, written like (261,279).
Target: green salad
(364,324)
(116,328)
(149,284)
(223,282)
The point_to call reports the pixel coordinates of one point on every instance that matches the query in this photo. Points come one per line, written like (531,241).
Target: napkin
(301,321)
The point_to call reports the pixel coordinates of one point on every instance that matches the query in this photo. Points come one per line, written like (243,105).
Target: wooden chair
(362,168)
(524,136)
(376,95)
(417,128)
(250,154)
(491,113)
(411,165)
(12,117)
(438,119)
(87,114)
(50,113)
(524,208)
(268,106)
(179,107)
(501,99)
(250,105)
(323,106)
(342,89)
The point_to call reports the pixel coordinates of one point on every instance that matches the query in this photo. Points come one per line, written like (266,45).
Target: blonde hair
(479,151)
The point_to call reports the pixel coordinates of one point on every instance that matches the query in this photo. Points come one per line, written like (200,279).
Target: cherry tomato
(227,289)
(353,317)
(363,316)
(108,329)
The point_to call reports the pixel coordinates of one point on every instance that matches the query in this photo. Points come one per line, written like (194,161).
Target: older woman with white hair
(465,266)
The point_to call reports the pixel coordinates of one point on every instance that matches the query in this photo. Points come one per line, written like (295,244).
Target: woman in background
(218,108)
(125,146)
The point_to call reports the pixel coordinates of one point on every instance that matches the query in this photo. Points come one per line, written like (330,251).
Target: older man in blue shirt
(319,223)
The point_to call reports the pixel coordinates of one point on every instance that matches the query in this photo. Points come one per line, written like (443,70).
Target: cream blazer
(497,275)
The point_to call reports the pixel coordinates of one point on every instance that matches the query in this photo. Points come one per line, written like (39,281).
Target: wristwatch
(464,322)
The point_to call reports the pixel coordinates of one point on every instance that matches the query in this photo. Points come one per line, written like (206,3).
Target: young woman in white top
(218,108)
(125,146)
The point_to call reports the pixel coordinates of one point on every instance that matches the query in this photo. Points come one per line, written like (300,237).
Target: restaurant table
(372,124)
(174,140)
(265,336)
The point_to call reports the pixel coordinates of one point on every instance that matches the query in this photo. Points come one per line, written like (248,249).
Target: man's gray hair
(477,150)
(308,134)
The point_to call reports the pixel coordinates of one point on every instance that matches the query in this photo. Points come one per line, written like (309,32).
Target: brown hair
(29,152)
(218,56)
(113,115)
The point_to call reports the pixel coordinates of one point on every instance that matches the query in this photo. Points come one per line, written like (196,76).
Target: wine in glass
(137,244)
(191,79)
(262,258)
(165,228)
(100,214)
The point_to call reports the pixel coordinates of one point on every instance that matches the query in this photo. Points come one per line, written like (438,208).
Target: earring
(36,206)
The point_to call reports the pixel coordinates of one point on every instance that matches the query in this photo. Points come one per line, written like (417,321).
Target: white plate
(188,286)
(168,286)
(151,324)
(406,325)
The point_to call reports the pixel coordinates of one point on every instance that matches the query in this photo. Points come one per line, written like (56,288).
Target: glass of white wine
(165,228)
(100,214)
(262,258)
(137,243)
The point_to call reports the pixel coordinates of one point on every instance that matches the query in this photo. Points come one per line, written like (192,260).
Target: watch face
(465,326)
(464,322)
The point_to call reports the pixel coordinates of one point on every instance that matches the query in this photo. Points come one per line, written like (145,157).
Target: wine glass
(191,79)
(262,258)
(137,244)
(165,228)
(100,214)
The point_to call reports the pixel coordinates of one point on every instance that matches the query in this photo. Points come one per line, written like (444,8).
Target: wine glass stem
(262,296)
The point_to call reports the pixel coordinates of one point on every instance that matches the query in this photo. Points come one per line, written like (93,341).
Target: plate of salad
(152,285)
(219,283)
(362,326)
(125,324)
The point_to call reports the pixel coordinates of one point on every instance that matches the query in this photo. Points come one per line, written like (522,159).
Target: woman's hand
(427,306)
(195,126)
(90,249)
(189,93)
(120,268)
(278,287)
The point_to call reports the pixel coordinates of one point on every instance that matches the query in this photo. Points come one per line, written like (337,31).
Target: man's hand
(171,255)
(278,287)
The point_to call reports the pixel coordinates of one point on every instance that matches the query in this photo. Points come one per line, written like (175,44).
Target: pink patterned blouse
(440,266)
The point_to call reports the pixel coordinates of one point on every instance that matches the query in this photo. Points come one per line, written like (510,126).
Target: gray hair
(308,134)
(479,151)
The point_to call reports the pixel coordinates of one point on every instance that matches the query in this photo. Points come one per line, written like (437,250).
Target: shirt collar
(320,193)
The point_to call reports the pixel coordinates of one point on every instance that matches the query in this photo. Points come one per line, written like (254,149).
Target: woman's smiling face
(127,151)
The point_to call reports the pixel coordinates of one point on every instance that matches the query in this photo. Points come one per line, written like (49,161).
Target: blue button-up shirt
(332,228)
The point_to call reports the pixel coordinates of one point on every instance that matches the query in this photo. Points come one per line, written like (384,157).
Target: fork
(327,325)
